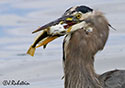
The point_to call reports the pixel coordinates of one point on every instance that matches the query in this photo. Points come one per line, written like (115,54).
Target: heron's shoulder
(113,79)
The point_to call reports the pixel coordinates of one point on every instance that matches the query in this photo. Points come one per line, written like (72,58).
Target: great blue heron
(86,32)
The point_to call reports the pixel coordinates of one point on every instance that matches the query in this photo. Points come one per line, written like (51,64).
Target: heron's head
(79,14)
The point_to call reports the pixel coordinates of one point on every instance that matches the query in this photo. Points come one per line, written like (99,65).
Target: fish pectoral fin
(46,41)
(31,50)
(44,46)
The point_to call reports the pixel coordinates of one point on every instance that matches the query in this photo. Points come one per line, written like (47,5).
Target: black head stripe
(83,9)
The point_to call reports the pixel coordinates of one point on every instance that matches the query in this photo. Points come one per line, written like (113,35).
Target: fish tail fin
(31,50)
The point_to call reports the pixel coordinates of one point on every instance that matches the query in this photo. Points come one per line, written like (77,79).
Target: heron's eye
(78,15)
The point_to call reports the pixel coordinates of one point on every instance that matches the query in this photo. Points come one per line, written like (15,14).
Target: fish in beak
(52,31)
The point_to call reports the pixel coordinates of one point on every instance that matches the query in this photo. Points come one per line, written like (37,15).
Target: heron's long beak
(65,22)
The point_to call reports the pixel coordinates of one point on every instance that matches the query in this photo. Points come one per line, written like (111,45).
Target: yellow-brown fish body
(32,48)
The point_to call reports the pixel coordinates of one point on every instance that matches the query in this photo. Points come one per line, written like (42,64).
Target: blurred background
(18,18)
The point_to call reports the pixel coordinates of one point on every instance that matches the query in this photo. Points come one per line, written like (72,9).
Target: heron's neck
(79,73)
(79,64)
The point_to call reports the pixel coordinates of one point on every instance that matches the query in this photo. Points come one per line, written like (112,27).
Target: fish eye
(78,15)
